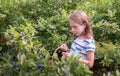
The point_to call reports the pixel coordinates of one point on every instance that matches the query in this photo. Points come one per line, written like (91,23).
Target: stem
(55,52)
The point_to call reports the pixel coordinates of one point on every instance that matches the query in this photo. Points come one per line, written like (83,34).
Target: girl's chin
(78,35)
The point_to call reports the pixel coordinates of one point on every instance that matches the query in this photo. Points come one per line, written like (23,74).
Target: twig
(55,52)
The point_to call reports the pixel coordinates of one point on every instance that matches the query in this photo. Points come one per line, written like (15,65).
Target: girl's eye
(74,26)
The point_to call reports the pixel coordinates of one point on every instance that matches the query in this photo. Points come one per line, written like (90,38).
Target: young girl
(83,42)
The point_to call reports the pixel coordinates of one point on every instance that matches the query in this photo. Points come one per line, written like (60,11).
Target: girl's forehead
(73,23)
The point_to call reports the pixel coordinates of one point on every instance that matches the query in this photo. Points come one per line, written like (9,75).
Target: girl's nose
(72,30)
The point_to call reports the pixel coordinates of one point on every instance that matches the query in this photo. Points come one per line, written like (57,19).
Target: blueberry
(12,37)
(38,49)
(40,65)
(15,49)
(23,34)
(14,64)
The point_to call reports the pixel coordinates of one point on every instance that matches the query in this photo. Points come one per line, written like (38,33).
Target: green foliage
(112,59)
(109,54)
(29,27)
(26,56)
(28,65)
(76,68)
(103,48)
(116,73)
(105,31)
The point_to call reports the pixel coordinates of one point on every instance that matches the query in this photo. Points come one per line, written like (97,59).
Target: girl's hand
(80,60)
(66,54)
(85,61)
(64,47)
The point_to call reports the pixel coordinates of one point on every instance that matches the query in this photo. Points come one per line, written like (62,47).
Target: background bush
(26,27)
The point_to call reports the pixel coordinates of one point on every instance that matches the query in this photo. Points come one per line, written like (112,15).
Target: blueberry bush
(31,30)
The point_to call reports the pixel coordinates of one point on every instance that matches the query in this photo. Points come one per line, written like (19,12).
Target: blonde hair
(81,18)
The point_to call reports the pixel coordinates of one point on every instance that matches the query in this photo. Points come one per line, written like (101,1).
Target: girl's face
(77,29)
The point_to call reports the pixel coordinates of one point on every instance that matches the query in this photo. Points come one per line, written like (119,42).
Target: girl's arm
(90,59)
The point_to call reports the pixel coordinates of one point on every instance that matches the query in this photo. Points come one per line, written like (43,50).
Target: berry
(15,49)
(40,65)
(12,37)
(14,64)
(23,34)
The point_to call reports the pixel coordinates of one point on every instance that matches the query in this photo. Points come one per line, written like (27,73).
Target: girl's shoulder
(86,40)
(90,39)
(87,43)
(90,42)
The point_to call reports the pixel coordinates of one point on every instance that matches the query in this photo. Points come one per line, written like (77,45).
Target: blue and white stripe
(82,46)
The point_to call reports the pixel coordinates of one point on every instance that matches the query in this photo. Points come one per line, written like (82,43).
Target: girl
(83,42)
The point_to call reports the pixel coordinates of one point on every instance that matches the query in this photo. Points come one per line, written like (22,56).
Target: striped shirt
(82,46)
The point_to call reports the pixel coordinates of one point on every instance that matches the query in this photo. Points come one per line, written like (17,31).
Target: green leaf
(55,56)
(70,58)
(47,57)
(0,48)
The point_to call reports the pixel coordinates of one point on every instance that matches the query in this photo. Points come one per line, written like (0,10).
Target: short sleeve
(90,46)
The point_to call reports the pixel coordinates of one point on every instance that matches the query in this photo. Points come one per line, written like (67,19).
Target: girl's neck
(82,37)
